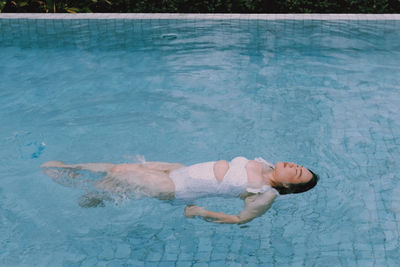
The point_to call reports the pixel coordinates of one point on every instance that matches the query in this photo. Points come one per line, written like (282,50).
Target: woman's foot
(53,164)
(56,173)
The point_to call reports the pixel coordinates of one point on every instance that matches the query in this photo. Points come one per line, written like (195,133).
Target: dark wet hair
(299,188)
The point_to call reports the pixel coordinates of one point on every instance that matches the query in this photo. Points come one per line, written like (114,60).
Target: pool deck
(373,17)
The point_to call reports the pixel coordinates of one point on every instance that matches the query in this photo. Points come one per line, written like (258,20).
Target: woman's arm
(210,216)
(254,206)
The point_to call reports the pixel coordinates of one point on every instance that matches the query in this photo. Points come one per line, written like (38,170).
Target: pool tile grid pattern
(113,33)
(362,139)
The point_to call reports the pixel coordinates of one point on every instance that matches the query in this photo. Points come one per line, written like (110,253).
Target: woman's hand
(192,210)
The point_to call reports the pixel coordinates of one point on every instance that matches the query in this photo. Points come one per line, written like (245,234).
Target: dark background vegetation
(201,6)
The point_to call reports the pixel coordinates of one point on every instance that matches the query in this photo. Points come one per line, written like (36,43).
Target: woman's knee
(124,168)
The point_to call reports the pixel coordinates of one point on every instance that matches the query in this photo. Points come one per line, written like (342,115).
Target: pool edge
(184,16)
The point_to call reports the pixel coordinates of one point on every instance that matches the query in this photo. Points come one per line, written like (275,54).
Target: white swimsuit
(199,180)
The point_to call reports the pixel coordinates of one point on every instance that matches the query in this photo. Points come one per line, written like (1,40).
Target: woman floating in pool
(256,181)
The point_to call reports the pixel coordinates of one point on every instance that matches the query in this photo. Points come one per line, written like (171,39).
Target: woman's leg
(150,178)
(141,179)
(93,167)
(107,167)
(156,166)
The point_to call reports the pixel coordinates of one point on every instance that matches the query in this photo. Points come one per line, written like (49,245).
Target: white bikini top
(199,180)
(237,174)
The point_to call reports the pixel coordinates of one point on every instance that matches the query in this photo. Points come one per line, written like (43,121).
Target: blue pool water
(324,94)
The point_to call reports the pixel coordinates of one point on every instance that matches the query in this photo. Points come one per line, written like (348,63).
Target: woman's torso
(232,178)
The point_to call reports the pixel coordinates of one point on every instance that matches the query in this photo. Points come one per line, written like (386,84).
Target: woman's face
(289,173)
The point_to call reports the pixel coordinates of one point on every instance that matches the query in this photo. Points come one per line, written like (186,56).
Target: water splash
(135,159)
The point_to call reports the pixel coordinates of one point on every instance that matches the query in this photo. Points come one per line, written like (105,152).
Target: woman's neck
(268,177)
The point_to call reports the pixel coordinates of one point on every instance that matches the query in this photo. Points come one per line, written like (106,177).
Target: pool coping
(190,16)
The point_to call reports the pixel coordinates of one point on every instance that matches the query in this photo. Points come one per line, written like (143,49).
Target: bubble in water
(27,145)
(39,150)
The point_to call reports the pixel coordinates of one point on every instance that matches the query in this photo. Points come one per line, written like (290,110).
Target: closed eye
(298,173)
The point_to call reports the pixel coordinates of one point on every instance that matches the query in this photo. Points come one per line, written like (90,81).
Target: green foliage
(202,6)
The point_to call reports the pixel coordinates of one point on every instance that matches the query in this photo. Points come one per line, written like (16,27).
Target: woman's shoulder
(254,165)
(264,163)
(256,161)
(239,161)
